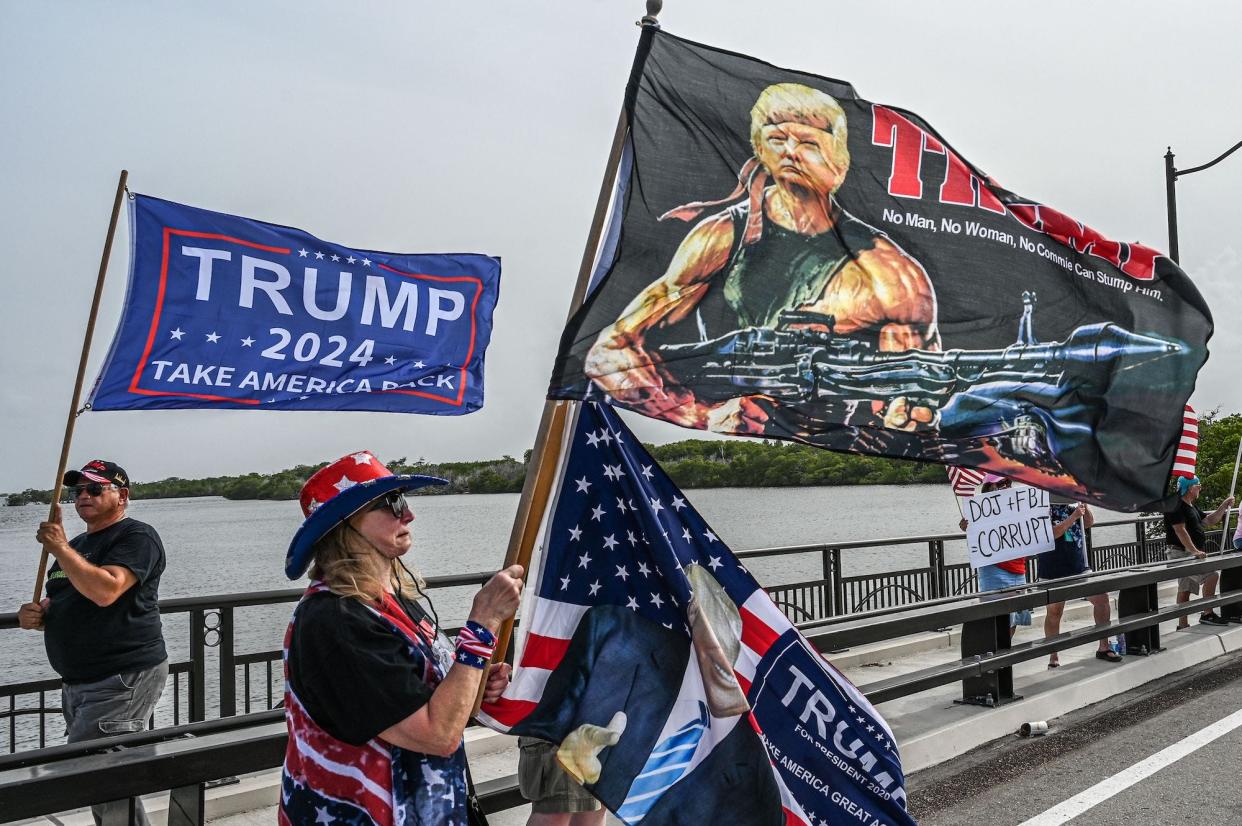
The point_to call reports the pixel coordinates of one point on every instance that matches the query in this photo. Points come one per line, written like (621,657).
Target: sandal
(1108,656)
(1056,664)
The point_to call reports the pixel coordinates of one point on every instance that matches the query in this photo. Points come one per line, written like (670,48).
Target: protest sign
(1007,524)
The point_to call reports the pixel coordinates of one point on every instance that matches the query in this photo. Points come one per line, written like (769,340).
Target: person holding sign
(1069,558)
(1004,574)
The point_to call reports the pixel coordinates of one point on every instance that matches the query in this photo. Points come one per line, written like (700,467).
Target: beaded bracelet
(475,645)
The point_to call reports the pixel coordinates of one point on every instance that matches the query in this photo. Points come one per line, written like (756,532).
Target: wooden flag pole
(547,457)
(1233,487)
(77,385)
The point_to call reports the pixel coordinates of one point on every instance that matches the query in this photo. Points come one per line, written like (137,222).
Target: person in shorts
(101,618)
(1185,538)
(1068,557)
(556,798)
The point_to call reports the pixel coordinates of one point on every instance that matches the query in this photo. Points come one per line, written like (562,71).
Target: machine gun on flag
(803,359)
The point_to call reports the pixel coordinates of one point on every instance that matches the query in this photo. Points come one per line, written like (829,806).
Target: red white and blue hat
(337,492)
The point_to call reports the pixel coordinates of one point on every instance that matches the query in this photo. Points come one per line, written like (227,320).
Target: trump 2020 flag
(674,687)
(796,262)
(227,312)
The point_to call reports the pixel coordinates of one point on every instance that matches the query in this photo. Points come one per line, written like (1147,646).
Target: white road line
(1126,778)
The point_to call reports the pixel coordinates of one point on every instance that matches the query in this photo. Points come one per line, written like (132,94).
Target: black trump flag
(787,260)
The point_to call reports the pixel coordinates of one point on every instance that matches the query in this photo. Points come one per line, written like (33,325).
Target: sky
(485,126)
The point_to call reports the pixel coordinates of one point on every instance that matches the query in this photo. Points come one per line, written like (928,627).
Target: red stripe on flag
(792,819)
(543,652)
(509,712)
(756,635)
(743,682)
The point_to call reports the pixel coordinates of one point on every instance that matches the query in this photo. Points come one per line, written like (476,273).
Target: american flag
(965,480)
(621,534)
(1188,448)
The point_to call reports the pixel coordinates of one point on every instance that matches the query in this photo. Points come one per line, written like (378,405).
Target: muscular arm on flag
(619,361)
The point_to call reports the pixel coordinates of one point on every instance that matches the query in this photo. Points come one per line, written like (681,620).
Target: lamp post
(1171,174)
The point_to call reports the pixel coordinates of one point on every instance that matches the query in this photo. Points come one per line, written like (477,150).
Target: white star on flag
(213,337)
(623,573)
(597,513)
(345,484)
(709,536)
(592,440)
(647,474)
(361,458)
(595,586)
(303,253)
(609,472)
(583,484)
(247,341)
(319,256)
(584,560)
(678,504)
(575,533)
(714,562)
(564,583)
(656,507)
(366,262)
(350,260)
(418,365)
(610,542)
(335,257)
(632,604)
(390,360)
(177,333)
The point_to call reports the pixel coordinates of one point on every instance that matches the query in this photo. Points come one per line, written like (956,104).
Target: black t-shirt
(1190,516)
(353,673)
(85,642)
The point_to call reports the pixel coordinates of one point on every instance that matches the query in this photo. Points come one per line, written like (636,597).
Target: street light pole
(1171,174)
(1170,191)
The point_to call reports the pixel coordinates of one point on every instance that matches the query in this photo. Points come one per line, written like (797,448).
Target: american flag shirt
(327,780)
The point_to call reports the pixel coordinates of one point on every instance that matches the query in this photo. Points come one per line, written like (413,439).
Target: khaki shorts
(1189,584)
(545,784)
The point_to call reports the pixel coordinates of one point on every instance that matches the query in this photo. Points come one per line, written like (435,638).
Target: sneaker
(1212,618)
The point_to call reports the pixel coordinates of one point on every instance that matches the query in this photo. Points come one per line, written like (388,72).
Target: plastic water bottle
(1118,644)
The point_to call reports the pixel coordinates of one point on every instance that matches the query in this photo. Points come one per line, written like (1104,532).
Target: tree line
(693,463)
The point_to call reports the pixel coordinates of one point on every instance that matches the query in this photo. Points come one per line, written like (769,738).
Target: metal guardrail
(243,682)
(183,760)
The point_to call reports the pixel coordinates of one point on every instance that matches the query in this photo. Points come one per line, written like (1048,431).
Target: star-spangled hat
(337,492)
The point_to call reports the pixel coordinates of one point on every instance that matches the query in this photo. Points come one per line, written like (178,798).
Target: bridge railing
(215,679)
(183,760)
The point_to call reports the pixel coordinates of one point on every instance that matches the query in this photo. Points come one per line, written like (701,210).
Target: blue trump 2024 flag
(227,312)
(673,685)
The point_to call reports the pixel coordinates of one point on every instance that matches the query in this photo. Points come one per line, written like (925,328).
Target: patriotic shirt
(351,671)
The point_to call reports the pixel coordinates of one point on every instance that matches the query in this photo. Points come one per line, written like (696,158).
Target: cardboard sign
(1007,524)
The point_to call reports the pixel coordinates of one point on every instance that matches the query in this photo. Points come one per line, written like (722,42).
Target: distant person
(376,698)
(1186,539)
(1068,557)
(101,618)
(1005,574)
(1237,535)
(556,798)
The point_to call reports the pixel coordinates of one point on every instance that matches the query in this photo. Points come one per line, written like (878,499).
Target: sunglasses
(395,502)
(91,489)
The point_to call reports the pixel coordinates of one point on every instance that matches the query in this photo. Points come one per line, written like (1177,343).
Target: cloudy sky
(419,126)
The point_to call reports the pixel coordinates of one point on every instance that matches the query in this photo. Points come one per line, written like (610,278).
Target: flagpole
(77,386)
(547,457)
(1233,486)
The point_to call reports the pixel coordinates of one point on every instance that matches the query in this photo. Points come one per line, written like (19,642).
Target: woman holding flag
(376,698)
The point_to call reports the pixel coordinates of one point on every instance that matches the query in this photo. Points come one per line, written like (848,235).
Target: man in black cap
(101,618)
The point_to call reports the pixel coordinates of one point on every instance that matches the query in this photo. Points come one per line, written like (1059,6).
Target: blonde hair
(797,103)
(344,560)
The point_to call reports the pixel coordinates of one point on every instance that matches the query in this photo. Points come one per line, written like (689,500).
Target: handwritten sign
(1007,524)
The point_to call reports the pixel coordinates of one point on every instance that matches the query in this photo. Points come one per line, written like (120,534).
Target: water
(215,546)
